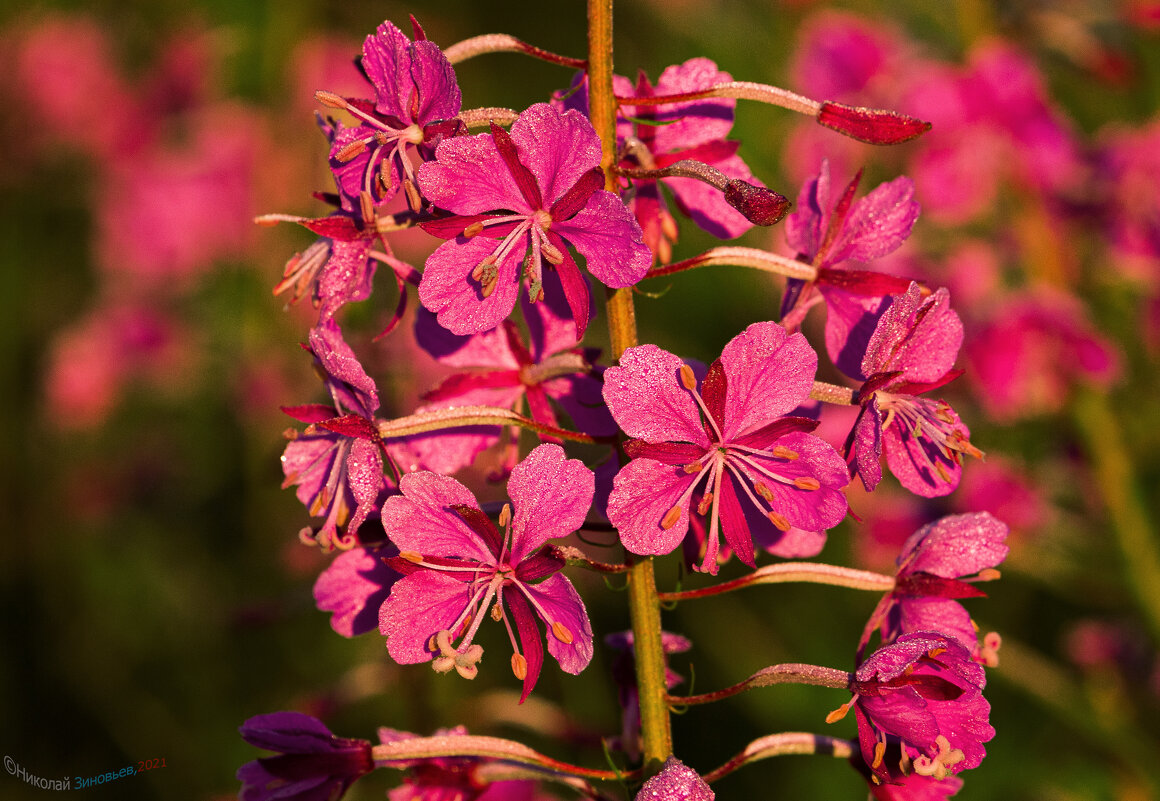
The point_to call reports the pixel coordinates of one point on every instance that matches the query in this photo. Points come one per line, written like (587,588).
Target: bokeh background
(153,589)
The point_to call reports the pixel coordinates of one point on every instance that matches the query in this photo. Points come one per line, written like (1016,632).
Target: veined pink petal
(643,492)
(551,495)
(911,459)
(353,587)
(805,229)
(434,80)
(811,510)
(560,599)
(609,239)
(420,605)
(485,349)
(932,614)
(557,146)
(647,399)
(850,323)
(956,545)
(877,224)
(387,63)
(338,360)
(866,445)
(469,177)
(364,476)
(769,375)
(448,289)
(919,336)
(793,544)
(550,326)
(694,122)
(421,518)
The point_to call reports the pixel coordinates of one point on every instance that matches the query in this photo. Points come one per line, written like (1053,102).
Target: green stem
(1112,466)
(644,606)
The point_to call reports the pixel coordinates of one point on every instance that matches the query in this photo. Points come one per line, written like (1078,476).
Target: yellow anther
(519,666)
(671,517)
(552,253)
(330,99)
(412,556)
(705,503)
(414,199)
(351,150)
(690,468)
(779,520)
(366,206)
(497,613)
(839,713)
(782,452)
(879,755)
(764,491)
(806,483)
(942,472)
(988,574)
(505,515)
(688,378)
(561,632)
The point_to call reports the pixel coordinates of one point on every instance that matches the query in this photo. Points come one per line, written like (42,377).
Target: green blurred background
(154,591)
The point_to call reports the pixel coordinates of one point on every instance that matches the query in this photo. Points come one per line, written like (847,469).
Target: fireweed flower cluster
(719,460)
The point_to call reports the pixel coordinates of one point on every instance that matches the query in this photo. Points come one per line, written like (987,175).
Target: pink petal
(805,229)
(485,349)
(850,323)
(469,176)
(448,289)
(559,598)
(610,240)
(420,605)
(866,446)
(877,224)
(643,492)
(551,495)
(421,518)
(911,460)
(919,336)
(353,587)
(364,476)
(557,146)
(649,402)
(810,510)
(693,122)
(934,614)
(769,375)
(956,545)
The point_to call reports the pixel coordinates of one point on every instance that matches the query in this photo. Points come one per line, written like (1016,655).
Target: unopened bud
(875,126)
(759,205)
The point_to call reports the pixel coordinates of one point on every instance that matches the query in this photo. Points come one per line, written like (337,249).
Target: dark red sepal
(771,433)
(531,644)
(926,585)
(576,198)
(310,412)
(524,178)
(481,524)
(917,388)
(352,425)
(865,283)
(575,287)
(713,390)
(875,383)
(540,565)
(674,453)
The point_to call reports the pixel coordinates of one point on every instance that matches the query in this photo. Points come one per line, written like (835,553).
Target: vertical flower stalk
(644,605)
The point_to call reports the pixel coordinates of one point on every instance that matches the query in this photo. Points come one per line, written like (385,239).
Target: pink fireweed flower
(1036,346)
(940,563)
(519,200)
(655,137)
(313,764)
(416,101)
(827,233)
(456,564)
(734,432)
(337,462)
(920,708)
(675,782)
(912,351)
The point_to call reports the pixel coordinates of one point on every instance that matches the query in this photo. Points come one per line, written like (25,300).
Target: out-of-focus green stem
(1112,469)
(644,606)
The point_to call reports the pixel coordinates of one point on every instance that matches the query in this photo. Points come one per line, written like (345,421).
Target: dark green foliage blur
(153,589)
